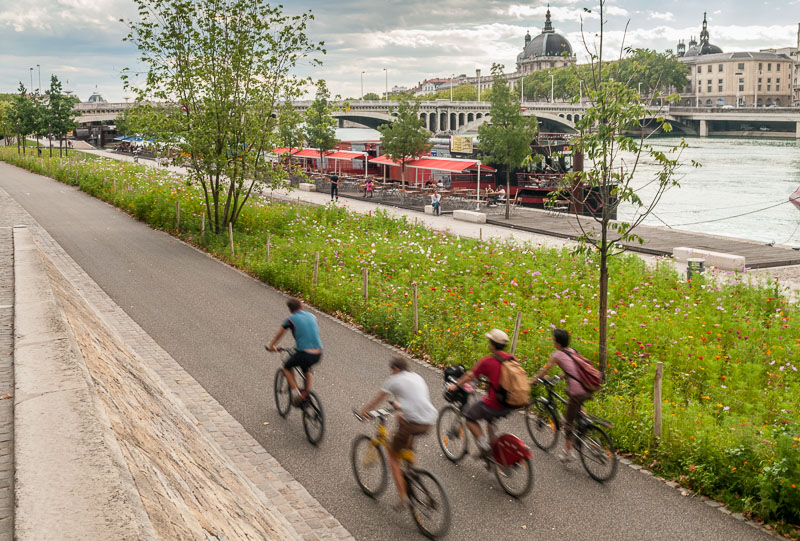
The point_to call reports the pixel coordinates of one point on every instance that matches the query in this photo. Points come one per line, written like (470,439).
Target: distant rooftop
(96,98)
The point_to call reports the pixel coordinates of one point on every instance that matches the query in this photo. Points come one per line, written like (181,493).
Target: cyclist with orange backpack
(508,387)
(583,380)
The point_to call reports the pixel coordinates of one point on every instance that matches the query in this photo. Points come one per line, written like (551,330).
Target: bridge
(443,117)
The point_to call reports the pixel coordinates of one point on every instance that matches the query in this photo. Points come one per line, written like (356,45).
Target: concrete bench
(428,209)
(720,260)
(307,187)
(470,216)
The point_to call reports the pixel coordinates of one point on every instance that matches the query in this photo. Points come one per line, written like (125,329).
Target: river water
(741,190)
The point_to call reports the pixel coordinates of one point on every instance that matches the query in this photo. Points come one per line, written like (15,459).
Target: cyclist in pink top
(575,390)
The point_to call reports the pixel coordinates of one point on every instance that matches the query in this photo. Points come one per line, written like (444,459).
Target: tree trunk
(403,176)
(508,191)
(603,319)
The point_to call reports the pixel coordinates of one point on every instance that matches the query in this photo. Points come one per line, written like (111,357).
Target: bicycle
(313,414)
(426,495)
(595,447)
(510,457)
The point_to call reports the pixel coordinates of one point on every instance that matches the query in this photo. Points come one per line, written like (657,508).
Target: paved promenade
(213,321)
(197,472)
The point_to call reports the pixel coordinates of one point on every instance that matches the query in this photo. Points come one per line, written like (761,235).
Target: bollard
(203,228)
(230,237)
(316,269)
(416,314)
(516,333)
(480,234)
(657,401)
(268,246)
(695,265)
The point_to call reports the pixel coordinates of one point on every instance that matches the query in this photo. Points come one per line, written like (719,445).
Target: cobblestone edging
(6,383)
(282,494)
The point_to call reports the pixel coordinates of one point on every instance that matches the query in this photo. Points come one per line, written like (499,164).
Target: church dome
(548,43)
(704,47)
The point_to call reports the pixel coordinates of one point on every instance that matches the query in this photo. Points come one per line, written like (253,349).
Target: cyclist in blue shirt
(308,347)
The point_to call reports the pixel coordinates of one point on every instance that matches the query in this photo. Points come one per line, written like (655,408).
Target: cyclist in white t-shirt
(416,417)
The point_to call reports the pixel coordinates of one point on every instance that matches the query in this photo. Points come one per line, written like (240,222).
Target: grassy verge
(731,352)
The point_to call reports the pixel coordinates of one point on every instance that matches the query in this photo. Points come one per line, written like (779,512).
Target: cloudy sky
(81,40)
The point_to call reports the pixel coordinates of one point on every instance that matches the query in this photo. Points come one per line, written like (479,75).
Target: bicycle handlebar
(279,350)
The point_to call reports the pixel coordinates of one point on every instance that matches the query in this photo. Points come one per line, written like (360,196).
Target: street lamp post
(39,90)
(640,91)
(451,86)
(580,90)
(552,79)
(30,90)
(362,85)
(479,85)
(522,89)
(386,72)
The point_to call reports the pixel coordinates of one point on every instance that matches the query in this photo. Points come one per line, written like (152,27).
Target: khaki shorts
(406,431)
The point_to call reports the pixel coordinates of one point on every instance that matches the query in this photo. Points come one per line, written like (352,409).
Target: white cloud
(660,15)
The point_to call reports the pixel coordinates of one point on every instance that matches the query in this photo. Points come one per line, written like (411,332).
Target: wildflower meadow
(730,351)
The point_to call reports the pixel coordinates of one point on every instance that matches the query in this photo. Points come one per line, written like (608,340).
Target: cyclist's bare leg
(308,382)
(397,474)
(475,428)
(289,373)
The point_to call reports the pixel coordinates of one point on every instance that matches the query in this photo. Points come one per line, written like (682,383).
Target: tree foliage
(615,112)
(320,124)
(371,96)
(507,138)
(60,113)
(224,64)
(406,137)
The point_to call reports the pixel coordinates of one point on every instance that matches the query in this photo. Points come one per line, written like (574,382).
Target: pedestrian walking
(334,178)
(436,200)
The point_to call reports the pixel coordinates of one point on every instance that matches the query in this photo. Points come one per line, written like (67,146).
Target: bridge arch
(470,117)
(370,119)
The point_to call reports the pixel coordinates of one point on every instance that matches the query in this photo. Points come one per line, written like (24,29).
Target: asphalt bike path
(215,321)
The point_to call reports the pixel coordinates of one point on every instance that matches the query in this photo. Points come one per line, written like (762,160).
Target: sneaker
(566,457)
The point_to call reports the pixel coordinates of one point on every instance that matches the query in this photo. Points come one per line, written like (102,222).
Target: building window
(741,88)
(769,87)
(720,81)
(777,67)
(759,87)
(709,89)
(740,66)
(719,88)
(777,88)
(720,68)
(759,66)
(699,69)
(778,80)
(769,79)
(769,66)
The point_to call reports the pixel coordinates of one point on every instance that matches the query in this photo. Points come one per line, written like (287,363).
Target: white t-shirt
(435,198)
(411,393)
(501,193)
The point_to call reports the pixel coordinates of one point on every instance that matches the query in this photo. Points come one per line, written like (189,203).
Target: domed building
(547,50)
(699,49)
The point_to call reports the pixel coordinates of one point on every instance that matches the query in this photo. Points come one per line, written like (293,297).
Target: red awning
(437,164)
(443,164)
(285,150)
(346,155)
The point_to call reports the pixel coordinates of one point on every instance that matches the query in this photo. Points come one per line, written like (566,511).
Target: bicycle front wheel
(313,419)
(369,465)
(597,452)
(430,506)
(516,479)
(283,394)
(542,424)
(452,433)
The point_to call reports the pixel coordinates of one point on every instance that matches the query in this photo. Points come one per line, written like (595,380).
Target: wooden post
(268,246)
(203,228)
(316,269)
(414,304)
(115,184)
(365,276)
(657,402)
(230,237)
(516,333)
(480,234)
(178,215)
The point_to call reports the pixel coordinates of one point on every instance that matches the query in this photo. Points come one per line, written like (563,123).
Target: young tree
(223,64)
(22,116)
(5,120)
(506,138)
(616,110)
(371,96)
(406,137)
(289,126)
(320,124)
(61,113)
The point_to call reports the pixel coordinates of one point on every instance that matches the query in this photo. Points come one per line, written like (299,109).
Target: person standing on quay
(334,178)
(436,201)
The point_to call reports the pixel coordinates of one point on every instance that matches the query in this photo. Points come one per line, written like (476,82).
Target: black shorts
(303,360)
(478,411)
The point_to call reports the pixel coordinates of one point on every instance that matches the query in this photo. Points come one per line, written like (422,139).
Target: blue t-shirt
(304,329)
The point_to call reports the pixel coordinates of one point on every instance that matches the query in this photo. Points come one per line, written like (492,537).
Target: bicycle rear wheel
(283,394)
(452,433)
(542,424)
(430,506)
(369,465)
(597,452)
(516,479)
(313,419)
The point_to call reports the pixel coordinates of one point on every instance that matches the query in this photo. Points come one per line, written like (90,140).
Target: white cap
(497,336)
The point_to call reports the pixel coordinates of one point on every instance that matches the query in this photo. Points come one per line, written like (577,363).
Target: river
(729,195)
